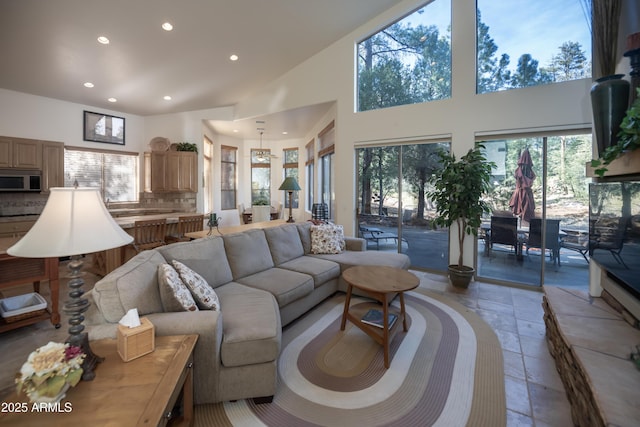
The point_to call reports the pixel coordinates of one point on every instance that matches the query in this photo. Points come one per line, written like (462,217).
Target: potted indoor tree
(457,193)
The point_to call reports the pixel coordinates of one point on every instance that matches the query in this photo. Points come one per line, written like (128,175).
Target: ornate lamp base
(75,306)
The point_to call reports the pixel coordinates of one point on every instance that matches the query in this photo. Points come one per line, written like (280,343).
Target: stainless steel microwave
(20,180)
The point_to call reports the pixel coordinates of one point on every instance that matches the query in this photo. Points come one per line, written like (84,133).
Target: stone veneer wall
(591,343)
(183,202)
(13,204)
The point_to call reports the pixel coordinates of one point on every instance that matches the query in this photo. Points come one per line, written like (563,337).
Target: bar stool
(186,224)
(147,234)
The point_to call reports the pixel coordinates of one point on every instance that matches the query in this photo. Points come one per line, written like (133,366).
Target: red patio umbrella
(521,202)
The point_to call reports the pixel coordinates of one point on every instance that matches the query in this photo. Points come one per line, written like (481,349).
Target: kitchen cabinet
(15,228)
(20,153)
(171,171)
(52,165)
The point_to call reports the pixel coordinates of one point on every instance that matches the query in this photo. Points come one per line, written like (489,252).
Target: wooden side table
(143,391)
(382,284)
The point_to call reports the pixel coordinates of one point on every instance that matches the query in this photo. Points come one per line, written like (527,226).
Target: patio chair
(372,234)
(575,243)
(552,237)
(504,231)
(608,234)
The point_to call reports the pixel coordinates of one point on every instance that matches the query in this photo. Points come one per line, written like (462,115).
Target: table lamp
(290,185)
(74,222)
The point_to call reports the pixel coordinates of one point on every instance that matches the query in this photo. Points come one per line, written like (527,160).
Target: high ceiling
(50,48)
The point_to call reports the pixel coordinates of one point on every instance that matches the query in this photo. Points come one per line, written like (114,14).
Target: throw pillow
(173,293)
(205,296)
(327,239)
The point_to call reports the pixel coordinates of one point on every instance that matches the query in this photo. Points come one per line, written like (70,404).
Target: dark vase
(609,102)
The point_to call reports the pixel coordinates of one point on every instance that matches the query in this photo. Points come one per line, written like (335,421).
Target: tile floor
(535,394)
(534,391)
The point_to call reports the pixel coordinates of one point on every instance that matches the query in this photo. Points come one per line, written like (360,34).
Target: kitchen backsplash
(14,204)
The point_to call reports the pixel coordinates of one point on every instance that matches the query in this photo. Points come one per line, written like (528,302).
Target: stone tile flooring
(535,394)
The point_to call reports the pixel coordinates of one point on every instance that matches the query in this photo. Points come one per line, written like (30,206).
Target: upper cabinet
(171,171)
(52,165)
(20,153)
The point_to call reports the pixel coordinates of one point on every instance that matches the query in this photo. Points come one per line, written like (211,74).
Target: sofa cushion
(174,294)
(248,253)
(284,243)
(206,256)
(251,325)
(320,269)
(348,259)
(304,230)
(132,285)
(204,295)
(327,239)
(286,285)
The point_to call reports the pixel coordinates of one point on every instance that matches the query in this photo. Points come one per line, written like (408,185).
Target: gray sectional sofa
(264,279)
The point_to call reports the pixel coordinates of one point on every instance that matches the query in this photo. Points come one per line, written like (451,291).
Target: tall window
(260,176)
(115,173)
(554,46)
(309,169)
(228,180)
(326,139)
(208,174)
(290,169)
(407,62)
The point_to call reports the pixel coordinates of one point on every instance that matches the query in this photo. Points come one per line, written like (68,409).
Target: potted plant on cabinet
(457,194)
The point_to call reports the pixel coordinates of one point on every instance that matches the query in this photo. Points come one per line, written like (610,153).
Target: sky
(553,22)
(537,27)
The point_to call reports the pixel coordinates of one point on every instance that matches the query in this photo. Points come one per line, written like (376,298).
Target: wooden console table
(142,392)
(17,271)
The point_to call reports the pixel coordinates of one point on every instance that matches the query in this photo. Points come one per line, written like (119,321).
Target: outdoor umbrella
(521,202)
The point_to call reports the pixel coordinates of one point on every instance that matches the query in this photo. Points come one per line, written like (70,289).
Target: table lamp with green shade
(290,185)
(74,222)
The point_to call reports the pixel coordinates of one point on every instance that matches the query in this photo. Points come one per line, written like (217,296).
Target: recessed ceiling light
(88,84)
(233,57)
(112,100)
(167,98)
(167,26)
(103,40)
(236,131)
(285,133)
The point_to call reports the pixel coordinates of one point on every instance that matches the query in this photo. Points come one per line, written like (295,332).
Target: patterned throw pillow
(173,293)
(205,296)
(327,239)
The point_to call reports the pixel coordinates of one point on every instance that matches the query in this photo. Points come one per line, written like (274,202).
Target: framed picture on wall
(100,127)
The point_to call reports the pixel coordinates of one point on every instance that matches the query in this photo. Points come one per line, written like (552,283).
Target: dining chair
(552,237)
(147,234)
(186,224)
(504,230)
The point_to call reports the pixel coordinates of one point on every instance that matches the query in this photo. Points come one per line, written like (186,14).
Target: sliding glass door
(393,212)
(539,184)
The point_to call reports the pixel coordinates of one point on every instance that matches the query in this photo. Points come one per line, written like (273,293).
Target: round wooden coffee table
(382,284)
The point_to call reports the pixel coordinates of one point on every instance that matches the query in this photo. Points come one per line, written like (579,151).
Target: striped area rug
(447,370)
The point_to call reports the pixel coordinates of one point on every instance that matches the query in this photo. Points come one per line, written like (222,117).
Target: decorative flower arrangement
(50,370)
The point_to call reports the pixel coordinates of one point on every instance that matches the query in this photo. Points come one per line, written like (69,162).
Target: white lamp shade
(74,221)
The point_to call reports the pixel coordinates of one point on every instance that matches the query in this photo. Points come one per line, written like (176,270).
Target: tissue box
(136,342)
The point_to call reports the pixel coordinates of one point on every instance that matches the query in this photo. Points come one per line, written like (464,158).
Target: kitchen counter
(105,262)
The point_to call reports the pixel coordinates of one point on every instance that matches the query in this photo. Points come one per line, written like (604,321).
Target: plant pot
(460,277)
(609,102)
